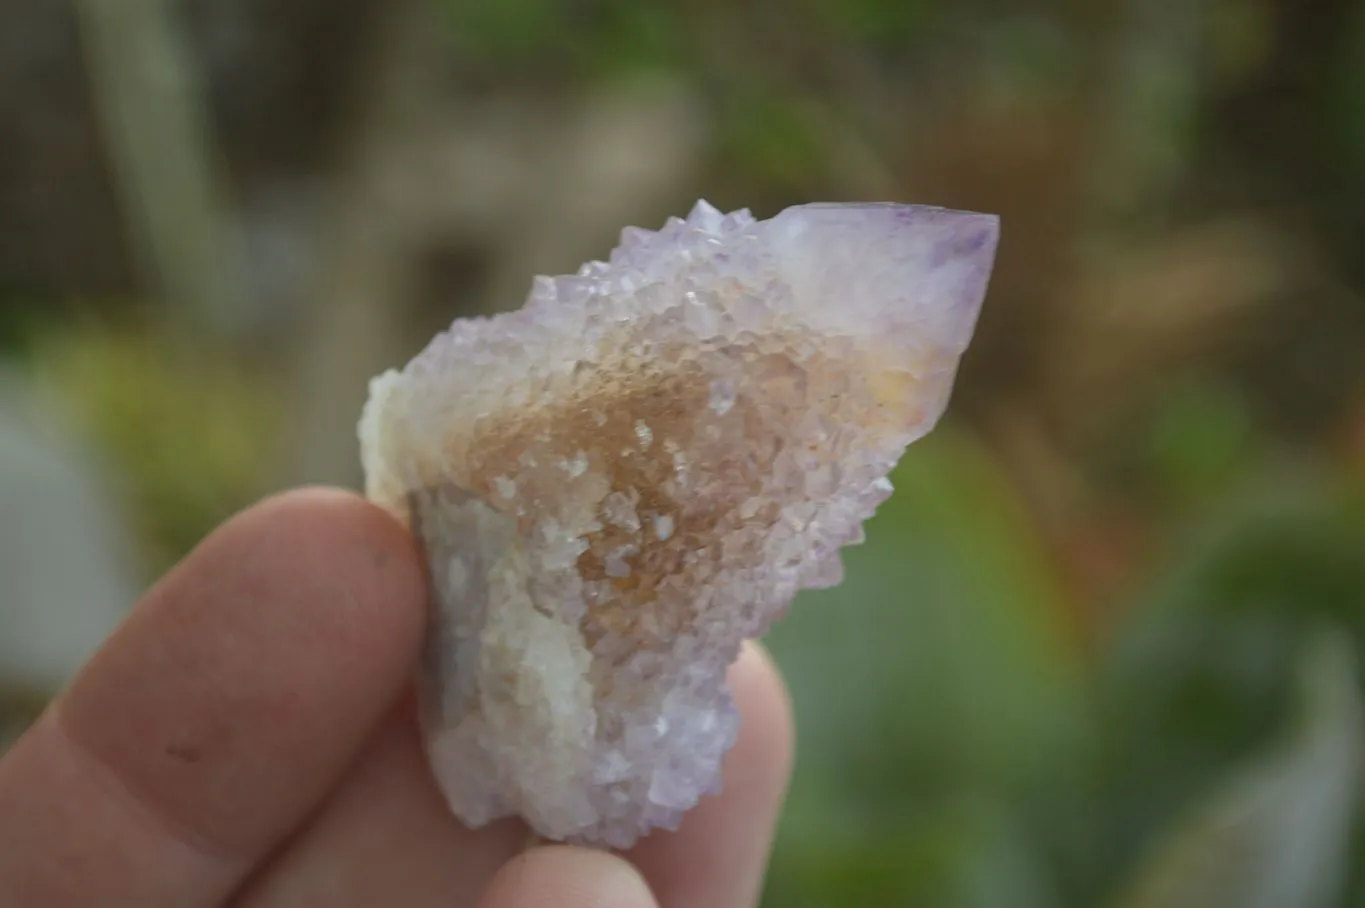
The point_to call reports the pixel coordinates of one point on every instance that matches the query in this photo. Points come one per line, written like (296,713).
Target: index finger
(217,717)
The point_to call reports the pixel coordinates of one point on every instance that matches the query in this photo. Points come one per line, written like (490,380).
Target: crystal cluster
(620,482)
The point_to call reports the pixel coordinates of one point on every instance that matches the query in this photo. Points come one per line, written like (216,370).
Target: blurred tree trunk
(160,150)
(361,288)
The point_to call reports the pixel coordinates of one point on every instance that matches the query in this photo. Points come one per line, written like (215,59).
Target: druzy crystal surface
(623,480)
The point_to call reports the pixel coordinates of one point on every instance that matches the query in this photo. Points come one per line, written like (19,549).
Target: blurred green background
(1100,649)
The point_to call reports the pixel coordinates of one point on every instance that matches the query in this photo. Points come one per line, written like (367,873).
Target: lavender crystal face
(622,481)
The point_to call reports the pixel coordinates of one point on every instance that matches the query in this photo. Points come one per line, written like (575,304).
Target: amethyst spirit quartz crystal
(620,482)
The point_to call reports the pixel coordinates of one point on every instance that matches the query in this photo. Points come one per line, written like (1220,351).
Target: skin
(247,738)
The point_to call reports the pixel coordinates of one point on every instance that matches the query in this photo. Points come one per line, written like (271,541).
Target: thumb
(566,877)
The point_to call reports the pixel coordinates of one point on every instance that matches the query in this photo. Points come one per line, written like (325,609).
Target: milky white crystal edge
(620,482)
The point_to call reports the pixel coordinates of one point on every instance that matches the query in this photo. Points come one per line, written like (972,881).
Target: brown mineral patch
(601,414)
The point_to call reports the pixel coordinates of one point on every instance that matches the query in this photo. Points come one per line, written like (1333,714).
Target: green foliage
(777,138)
(953,751)
(932,687)
(600,39)
(506,31)
(1201,439)
(21,321)
(1276,831)
(1204,674)
(881,23)
(633,37)
(955,850)
(191,435)
(1347,98)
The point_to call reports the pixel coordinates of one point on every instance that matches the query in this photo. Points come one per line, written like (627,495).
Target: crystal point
(619,483)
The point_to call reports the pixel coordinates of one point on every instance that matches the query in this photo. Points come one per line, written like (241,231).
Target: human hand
(246,738)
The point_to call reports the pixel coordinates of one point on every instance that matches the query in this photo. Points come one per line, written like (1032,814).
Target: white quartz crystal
(623,480)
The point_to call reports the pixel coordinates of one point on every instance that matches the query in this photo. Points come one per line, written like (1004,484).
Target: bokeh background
(1101,648)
